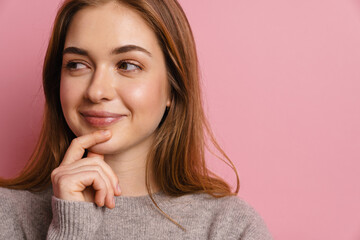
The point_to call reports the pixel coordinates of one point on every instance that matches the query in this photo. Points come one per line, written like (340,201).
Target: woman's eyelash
(71,65)
(124,65)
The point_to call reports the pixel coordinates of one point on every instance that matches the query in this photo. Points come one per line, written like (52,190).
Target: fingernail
(113,201)
(118,188)
(105,132)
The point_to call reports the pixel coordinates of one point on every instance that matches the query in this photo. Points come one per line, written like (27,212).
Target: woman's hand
(88,179)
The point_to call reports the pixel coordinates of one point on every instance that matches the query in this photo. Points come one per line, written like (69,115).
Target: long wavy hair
(177,156)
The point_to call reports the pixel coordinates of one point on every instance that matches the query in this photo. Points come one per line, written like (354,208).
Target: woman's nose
(101,86)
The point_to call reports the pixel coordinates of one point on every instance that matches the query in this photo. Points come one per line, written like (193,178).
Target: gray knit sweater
(26,215)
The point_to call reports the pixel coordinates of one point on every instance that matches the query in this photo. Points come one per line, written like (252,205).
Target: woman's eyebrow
(75,50)
(129,48)
(118,50)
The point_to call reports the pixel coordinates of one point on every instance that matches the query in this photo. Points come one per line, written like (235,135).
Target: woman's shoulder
(227,216)
(236,206)
(10,196)
(228,205)
(15,195)
(16,202)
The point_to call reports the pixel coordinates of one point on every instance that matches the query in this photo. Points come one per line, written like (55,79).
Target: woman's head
(162,26)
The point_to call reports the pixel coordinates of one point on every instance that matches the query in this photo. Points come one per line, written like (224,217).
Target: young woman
(121,152)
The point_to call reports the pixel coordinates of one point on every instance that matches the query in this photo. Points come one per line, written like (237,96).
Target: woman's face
(113,77)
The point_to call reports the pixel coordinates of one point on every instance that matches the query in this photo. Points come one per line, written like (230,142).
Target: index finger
(78,145)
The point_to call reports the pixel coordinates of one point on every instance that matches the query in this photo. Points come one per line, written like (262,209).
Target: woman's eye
(75,65)
(127,66)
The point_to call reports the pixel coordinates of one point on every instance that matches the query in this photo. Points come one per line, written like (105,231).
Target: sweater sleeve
(74,220)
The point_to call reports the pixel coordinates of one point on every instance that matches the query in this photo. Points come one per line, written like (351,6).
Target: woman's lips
(101,118)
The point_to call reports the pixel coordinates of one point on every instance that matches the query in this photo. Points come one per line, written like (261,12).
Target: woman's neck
(130,168)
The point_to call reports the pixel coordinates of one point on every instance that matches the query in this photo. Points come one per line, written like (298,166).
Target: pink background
(282,88)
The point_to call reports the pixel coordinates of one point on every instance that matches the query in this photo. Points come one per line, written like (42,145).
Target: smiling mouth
(101,119)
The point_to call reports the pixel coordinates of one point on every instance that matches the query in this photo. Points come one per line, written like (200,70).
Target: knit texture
(26,215)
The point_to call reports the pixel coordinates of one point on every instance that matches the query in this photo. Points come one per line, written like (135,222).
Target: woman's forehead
(109,26)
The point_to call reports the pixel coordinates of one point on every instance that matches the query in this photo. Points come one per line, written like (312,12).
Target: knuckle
(97,168)
(75,141)
(111,192)
(115,179)
(97,161)
(96,175)
(53,173)
(62,180)
(56,171)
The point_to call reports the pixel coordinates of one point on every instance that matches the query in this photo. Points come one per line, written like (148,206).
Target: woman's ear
(168,102)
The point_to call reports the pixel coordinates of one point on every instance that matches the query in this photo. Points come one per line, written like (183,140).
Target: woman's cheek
(149,95)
